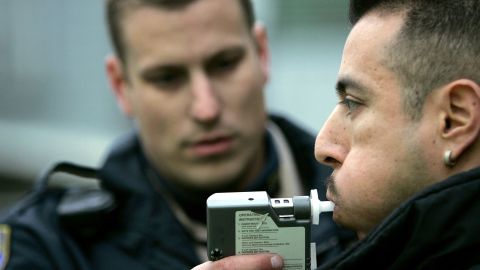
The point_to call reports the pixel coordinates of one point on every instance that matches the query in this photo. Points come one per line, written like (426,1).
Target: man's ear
(461,115)
(261,40)
(118,83)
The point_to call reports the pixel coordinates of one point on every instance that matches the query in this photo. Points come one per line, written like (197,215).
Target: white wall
(55,103)
(307,39)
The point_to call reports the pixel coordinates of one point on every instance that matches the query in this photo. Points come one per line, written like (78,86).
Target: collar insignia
(5,233)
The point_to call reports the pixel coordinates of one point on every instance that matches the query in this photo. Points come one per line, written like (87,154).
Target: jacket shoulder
(47,225)
(29,227)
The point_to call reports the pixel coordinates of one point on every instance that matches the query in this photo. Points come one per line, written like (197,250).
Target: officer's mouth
(212,146)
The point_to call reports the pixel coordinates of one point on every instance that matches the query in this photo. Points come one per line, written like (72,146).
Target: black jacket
(438,228)
(141,232)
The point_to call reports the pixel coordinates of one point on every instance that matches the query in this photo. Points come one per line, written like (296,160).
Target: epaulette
(83,212)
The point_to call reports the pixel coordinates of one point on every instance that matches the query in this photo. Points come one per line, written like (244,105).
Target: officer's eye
(225,61)
(166,78)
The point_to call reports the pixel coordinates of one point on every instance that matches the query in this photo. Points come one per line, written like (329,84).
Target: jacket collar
(437,223)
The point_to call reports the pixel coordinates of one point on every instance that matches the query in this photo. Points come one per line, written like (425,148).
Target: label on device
(258,233)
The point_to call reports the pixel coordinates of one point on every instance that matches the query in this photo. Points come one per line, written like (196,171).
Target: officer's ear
(460,116)
(261,40)
(118,83)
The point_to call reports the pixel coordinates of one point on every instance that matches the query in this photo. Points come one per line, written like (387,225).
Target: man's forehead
(203,8)
(205,16)
(169,29)
(366,51)
(377,27)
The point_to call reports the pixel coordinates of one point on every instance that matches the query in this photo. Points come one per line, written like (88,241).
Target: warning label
(258,233)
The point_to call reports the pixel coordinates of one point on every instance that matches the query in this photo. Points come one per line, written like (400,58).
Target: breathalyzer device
(241,223)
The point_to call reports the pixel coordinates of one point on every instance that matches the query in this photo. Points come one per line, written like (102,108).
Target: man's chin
(337,217)
(340,220)
(212,183)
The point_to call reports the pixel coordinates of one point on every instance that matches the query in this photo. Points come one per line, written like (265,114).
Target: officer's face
(194,85)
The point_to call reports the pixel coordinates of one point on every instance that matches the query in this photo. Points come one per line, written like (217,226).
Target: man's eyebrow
(232,50)
(152,70)
(344,83)
(159,67)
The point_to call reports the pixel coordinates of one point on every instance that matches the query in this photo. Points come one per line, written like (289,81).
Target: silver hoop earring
(447,159)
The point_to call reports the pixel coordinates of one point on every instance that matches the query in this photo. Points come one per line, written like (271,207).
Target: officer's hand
(245,262)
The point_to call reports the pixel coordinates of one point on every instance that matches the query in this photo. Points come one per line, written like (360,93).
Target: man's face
(194,84)
(377,151)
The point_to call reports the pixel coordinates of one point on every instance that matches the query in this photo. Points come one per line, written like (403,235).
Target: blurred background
(55,103)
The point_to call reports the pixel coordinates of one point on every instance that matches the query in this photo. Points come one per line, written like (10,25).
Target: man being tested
(191,74)
(404,140)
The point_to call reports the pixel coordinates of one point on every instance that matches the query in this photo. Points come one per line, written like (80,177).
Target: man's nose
(331,145)
(206,106)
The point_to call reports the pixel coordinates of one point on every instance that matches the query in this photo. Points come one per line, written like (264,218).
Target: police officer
(191,74)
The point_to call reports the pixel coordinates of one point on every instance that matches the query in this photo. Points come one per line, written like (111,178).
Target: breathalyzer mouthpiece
(318,206)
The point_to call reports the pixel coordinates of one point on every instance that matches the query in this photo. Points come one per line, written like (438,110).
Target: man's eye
(225,63)
(351,104)
(166,79)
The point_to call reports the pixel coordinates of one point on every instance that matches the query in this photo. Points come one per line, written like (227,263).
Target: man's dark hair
(116,9)
(439,42)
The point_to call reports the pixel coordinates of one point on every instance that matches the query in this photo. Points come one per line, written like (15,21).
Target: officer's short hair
(115,10)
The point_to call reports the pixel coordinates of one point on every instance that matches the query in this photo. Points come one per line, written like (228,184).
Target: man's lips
(212,146)
(329,196)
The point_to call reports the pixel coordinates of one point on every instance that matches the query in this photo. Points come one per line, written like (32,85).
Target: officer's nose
(206,106)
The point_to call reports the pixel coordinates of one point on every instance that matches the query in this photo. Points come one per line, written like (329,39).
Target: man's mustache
(330,184)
